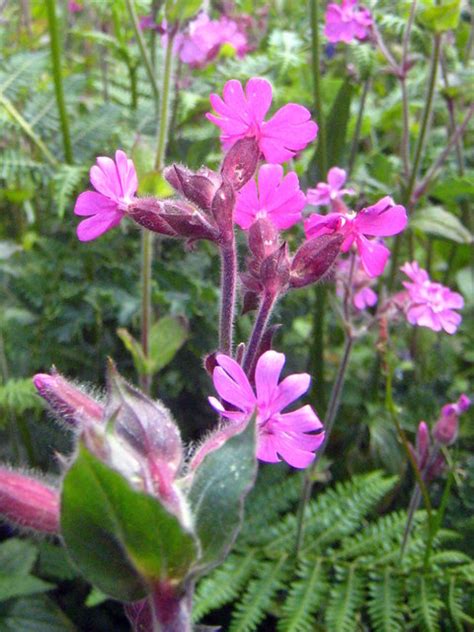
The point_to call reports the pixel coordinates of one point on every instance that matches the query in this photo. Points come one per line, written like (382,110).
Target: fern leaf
(256,601)
(305,598)
(385,602)
(347,596)
(223,585)
(65,182)
(425,604)
(18,396)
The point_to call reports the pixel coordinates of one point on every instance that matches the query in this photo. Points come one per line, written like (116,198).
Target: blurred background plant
(73,304)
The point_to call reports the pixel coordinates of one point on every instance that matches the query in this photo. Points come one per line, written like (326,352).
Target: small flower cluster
(347,21)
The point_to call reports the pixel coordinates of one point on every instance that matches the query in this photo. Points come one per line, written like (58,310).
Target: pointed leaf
(167,336)
(218,492)
(436,221)
(119,537)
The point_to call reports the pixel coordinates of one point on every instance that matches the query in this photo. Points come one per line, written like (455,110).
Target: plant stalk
(358,127)
(228,294)
(266,307)
(58,78)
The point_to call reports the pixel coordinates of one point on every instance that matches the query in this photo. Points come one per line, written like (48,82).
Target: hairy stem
(55,46)
(228,294)
(266,307)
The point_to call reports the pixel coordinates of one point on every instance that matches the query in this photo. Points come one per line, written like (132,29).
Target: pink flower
(362,294)
(325,193)
(74,7)
(430,304)
(242,114)
(383,219)
(278,198)
(116,183)
(364,298)
(147,23)
(280,435)
(347,21)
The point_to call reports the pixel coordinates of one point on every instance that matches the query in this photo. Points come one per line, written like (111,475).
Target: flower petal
(373,255)
(97,225)
(259,98)
(267,374)
(382,219)
(289,390)
(92,203)
(104,177)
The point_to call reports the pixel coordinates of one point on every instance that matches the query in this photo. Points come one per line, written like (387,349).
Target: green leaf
(436,221)
(439,18)
(33,614)
(21,586)
(120,537)
(167,336)
(53,563)
(17,556)
(451,189)
(337,123)
(465,281)
(95,597)
(134,347)
(217,495)
(180,10)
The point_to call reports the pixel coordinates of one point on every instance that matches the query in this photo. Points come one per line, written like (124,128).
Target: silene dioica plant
(143,516)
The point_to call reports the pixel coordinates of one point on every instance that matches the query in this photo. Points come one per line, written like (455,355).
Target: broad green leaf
(217,495)
(33,614)
(21,586)
(336,124)
(17,556)
(134,347)
(54,563)
(465,281)
(440,17)
(167,336)
(436,221)
(453,188)
(119,537)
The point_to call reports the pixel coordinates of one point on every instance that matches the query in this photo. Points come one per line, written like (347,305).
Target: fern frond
(385,602)
(65,182)
(304,598)
(256,600)
(18,396)
(425,604)
(347,596)
(223,585)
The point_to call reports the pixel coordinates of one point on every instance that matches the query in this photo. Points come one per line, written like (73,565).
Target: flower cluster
(347,21)
(427,303)
(331,192)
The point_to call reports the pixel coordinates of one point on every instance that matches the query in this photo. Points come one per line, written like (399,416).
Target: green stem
(141,45)
(358,127)
(164,114)
(318,100)
(317,363)
(58,78)
(27,129)
(330,418)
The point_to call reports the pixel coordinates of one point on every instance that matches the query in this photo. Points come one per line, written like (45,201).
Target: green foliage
(349,574)
(19,395)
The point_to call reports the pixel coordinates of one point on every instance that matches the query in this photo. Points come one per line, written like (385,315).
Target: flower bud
(275,271)
(241,161)
(147,212)
(67,400)
(27,502)
(422,444)
(222,209)
(446,429)
(199,188)
(263,238)
(188,221)
(314,259)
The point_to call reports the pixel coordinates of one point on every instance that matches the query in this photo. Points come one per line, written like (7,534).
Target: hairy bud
(241,161)
(263,239)
(198,187)
(67,400)
(314,259)
(422,444)
(27,502)
(446,428)
(275,271)
(147,212)
(222,209)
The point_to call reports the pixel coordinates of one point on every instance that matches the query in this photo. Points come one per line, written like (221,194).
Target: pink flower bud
(446,429)
(241,161)
(67,400)
(275,271)
(314,259)
(422,444)
(27,502)
(148,213)
(199,188)
(263,238)
(222,209)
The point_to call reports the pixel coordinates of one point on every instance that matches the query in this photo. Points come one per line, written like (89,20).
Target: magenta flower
(326,193)
(278,198)
(430,304)
(74,7)
(383,219)
(115,184)
(347,21)
(280,435)
(446,428)
(240,115)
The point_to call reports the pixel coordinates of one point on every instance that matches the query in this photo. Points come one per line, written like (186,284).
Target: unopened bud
(199,187)
(241,161)
(147,212)
(70,403)
(422,444)
(263,238)
(275,271)
(222,209)
(314,259)
(446,429)
(250,302)
(26,502)
(188,221)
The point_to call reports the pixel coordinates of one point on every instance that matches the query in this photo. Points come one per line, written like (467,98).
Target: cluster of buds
(427,452)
